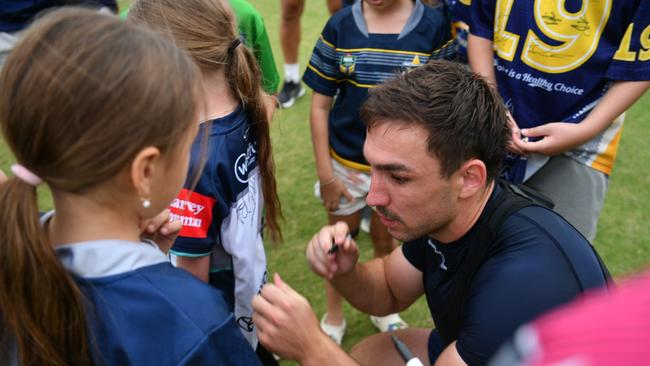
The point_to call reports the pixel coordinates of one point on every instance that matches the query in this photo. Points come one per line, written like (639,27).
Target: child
(360,47)
(84,110)
(221,240)
(589,61)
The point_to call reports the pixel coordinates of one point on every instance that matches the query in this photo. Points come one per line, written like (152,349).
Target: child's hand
(555,138)
(514,145)
(3,177)
(331,194)
(161,230)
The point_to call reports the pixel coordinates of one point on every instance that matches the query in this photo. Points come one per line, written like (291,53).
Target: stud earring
(146,203)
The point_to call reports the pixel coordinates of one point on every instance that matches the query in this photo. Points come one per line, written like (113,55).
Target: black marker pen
(405,352)
(335,247)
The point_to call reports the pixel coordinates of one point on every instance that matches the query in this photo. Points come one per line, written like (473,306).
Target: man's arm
(450,357)
(379,287)
(560,137)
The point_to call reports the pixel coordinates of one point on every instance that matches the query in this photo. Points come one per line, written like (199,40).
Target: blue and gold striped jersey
(348,60)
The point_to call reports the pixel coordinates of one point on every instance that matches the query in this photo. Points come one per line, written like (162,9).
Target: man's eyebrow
(391,167)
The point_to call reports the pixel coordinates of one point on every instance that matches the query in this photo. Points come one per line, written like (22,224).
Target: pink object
(25,175)
(601,329)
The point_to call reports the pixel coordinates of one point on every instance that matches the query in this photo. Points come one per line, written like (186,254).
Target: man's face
(407,190)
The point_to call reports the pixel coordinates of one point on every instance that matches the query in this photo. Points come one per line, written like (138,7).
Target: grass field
(623,237)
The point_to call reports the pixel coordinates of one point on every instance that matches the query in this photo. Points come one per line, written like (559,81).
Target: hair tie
(234,44)
(25,175)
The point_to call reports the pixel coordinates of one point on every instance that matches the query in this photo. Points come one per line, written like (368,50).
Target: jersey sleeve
(241,239)
(414,252)
(631,62)
(196,212)
(444,45)
(224,345)
(322,71)
(482,18)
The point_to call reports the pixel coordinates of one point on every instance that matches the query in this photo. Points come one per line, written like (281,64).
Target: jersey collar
(411,23)
(101,258)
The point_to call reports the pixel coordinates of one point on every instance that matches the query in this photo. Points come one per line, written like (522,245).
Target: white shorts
(356,182)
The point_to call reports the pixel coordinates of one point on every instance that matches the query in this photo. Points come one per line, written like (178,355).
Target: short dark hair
(464,116)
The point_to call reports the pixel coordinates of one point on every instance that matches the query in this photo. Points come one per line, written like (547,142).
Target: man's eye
(399,179)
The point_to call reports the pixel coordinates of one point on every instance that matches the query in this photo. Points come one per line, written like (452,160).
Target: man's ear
(474,176)
(143,169)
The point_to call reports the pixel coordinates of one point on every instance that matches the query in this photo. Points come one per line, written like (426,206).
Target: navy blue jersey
(222,214)
(348,60)
(530,271)
(143,311)
(565,54)
(16,15)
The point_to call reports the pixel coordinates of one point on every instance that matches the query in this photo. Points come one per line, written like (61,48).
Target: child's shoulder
(180,293)
(434,16)
(340,18)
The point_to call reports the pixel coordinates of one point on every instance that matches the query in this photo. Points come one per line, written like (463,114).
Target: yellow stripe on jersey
(605,162)
(379,50)
(325,41)
(348,163)
(355,83)
(338,80)
(321,74)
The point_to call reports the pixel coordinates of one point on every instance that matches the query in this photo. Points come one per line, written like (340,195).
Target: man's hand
(285,322)
(326,261)
(556,138)
(161,230)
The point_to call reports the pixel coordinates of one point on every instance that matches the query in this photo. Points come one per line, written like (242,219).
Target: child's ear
(143,170)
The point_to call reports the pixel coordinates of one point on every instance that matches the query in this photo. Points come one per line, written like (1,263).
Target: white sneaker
(336,332)
(365,223)
(388,323)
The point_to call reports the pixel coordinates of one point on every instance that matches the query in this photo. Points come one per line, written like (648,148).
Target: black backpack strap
(483,242)
(511,199)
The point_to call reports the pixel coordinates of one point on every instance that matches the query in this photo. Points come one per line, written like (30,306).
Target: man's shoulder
(537,222)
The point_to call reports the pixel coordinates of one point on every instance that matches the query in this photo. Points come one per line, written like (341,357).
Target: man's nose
(377,194)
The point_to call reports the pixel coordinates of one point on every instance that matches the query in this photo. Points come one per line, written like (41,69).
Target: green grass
(623,230)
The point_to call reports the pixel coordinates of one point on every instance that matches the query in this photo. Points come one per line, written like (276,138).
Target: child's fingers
(171,228)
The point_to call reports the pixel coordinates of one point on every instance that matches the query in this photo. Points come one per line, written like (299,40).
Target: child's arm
(198,266)
(331,188)
(560,137)
(481,57)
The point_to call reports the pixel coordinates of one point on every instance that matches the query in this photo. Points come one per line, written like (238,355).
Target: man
(434,159)
(567,70)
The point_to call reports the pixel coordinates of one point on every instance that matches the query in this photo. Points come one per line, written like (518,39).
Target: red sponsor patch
(194,210)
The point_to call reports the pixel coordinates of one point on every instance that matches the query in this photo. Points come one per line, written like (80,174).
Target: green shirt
(252,29)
